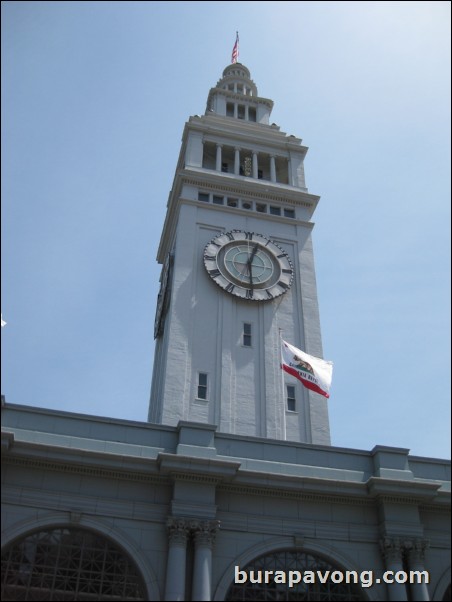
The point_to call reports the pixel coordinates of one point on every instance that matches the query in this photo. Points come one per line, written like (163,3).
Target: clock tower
(237,275)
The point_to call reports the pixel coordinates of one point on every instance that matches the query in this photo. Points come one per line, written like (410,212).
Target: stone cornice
(294,494)
(250,100)
(189,467)
(216,128)
(250,188)
(398,489)
(78,468)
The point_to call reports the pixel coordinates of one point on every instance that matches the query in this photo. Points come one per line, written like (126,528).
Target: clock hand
(253,253)
(250,264)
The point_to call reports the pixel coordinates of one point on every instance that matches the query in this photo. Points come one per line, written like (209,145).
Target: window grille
(69,564)
(292,560)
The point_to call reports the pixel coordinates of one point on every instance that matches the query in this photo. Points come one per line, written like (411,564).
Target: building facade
(232,490)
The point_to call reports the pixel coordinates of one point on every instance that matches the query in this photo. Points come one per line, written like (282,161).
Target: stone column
(272,168)
(416,552)
(218,164)
(247,113)
(204,536)
(255,165)
(237,160)
(177,554)
(392,549)
(289,172)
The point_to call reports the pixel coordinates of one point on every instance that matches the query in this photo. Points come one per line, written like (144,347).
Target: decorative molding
(391,549)
(394,548)
(93,471)
(443,508)
(178,531)
(296,494)
(259,195)
(204,532)
(416,549)
(58,501)
(195,478)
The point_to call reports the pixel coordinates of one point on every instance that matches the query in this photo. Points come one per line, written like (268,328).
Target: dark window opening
(202,385)
(246,334)
(291,405)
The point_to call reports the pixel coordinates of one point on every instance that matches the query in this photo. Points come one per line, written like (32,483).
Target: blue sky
(94,99)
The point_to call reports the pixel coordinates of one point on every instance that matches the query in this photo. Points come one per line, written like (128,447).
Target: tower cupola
(236,78)
(235,95)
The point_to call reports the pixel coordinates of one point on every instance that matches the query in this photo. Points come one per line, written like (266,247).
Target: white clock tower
(238,274)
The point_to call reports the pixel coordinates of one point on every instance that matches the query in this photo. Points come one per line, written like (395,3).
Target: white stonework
(200,329)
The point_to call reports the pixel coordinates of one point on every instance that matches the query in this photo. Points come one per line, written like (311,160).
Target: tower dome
(237,78)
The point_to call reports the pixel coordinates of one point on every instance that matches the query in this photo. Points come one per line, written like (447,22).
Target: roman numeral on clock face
(283,285)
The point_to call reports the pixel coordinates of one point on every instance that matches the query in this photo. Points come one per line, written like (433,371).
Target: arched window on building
(262,585)
(68,563)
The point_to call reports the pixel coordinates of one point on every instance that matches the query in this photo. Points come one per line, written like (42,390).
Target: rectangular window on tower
(246,340)
(202,385)
(291,405)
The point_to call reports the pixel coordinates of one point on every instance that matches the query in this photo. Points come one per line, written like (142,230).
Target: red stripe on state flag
(307,383)
(313,372)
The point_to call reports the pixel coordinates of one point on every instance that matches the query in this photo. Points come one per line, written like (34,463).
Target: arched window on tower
(68,563)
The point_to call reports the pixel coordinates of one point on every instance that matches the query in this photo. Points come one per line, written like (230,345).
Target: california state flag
(313,372)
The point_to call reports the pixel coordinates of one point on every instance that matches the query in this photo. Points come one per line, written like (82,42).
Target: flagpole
(283,387)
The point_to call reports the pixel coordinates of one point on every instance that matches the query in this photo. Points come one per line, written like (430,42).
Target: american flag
(235,50)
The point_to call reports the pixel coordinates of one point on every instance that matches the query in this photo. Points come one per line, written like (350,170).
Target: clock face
(248,265)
